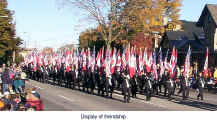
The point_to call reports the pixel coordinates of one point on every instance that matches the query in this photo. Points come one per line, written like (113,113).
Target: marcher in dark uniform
(133,82)
(68,77)
(148,86)
(168,85)
(200,86)
(185,87)
(73,76)
(92,80)
(126,86)
(98,80)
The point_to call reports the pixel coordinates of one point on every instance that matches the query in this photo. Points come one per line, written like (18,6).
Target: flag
(154,66)
(149,64)
(173,61)
(107,64)
(98,58)
(162,68)
(166,64)
(123,60)
(132,62)
(141,63)
(84,60)
(118,63)
(145,57)
(187,63)
(113,61)
(127,54)
(89,57)
(205,68)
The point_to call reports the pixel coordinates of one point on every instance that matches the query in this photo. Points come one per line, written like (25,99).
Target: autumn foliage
(127,21)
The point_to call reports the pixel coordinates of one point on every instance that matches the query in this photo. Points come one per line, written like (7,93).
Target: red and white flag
(132,62)
(149,63)
(205,68)
(98,58)
(145,57)
(118,63)
(113,61)
(173,61)
(141,63)
(84,60)
(187,63)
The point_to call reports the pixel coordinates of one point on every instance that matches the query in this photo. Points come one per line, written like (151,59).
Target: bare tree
(106,13)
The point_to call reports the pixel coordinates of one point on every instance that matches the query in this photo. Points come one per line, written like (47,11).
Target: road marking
(66,98)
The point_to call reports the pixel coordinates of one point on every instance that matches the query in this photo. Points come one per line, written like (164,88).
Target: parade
(108,59)
(131,72)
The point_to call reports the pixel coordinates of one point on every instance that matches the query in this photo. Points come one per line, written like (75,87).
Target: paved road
(62,99)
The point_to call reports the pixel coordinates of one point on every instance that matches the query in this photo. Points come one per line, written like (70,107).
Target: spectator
(18,84)
(0,79)
(7,100)
(2,105)
(33,100)
(215,73)
(6,81)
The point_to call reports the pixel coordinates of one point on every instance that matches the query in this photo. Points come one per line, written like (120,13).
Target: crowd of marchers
(130,73)
(13,94)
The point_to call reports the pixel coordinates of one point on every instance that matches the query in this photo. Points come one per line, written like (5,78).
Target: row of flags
(108,59)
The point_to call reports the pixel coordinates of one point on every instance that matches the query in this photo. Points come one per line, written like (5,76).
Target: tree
(121,21)
(89,37)
(150,16)
(106,13)
(8,42)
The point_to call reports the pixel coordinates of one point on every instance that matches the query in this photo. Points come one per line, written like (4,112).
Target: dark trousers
(185,92)
(148,94)
(200,94)
(170,91)
(127,94)
(134,90)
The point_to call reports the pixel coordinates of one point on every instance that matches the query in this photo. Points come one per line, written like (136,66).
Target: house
(188,34)
(208,22)
(199,35)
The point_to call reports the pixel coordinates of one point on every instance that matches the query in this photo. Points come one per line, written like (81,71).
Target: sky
(50,23)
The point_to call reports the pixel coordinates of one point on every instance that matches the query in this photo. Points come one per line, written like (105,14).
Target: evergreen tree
(8,42)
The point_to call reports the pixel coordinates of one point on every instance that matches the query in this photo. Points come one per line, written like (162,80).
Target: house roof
(189,32)
(212,9)
(193,43)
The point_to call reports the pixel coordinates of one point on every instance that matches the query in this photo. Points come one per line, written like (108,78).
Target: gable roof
(212,9)
(189,32)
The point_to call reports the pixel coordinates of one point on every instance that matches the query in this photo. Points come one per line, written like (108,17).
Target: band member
(126,86)
(148,86)
(200,86)
(185,87)
(133,82)
(92,80)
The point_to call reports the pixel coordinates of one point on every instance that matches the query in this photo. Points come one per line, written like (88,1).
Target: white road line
(66,98)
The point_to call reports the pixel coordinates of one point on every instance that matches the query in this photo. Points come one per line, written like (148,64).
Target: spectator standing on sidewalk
(215,74)
(0,80)
(6,81)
